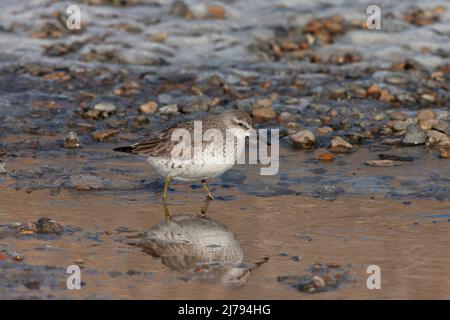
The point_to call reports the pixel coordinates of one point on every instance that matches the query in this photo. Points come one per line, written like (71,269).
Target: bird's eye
(242,125)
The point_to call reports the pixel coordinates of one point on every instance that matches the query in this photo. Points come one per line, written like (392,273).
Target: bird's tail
(127,149)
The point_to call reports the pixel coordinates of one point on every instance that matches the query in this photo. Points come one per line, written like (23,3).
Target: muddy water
(264,236)
(275,236)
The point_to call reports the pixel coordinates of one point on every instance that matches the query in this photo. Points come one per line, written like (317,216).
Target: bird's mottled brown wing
(160,144)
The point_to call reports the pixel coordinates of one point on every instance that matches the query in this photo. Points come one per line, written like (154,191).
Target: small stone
(379,117)
(71,141)
(148,107)
(399,125)
(140,121)
(287,117)
(196,106)
(49,226)
(428,97)
(374,91)
(304,139)
(215,12)
(443,115)
(92,114)
(158,37)
(396,80)
(425,114)
(323,131)
(414,135)
(386,96)
(397,115)
(179,9)
(102,134)
(264,103)
(339,145)
(105,107)
(442,126)
(383,163)
(318,282)
(86,182)
(435,137)
(392,142)
(264,114)
(293,127)
(2,168)
(324,156)
(444,149)
(170,109)
(427,124)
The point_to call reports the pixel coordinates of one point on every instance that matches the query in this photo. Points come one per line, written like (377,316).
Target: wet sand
(408,240)
(295,66)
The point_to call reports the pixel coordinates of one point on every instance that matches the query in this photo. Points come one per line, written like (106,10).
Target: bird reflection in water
(198,247)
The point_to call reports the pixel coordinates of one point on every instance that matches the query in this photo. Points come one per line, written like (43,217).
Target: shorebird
(162,149)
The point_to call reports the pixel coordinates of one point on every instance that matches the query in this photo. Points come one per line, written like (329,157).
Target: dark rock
(414,135)
(49,226)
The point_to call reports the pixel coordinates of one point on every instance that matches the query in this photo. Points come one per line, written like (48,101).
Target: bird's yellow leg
(164,196)
(166,210)
(166,187)
(204,208)
(205,186)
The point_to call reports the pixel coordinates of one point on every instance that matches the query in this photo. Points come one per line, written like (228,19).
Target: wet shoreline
(364,124)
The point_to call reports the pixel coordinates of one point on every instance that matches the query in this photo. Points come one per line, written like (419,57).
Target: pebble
(196,106)
(71,141)
(397,115)
(428,97)
(383,163)
(435,137)
(2,168)
(427,124)
(179,9)
(86,182)
(444,149)
(414,135)
(392,141)
(396,80)
(292,127)
(318,282)
(324,156)
(399,125)
(386,96)
(105,107)
(49,226)
(327,192)
(102,134)
(263,103)
(442,126)
(304,139)
(92,114)
(140,121)
(425,114)
(379,117)
(148,107)
(170,109)
(374,91)
(264,114)
(323,131)
(215,12)
(287,117)
(339,145)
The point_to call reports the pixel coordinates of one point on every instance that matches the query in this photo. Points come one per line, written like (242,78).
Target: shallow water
(406,236)
(263,235)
